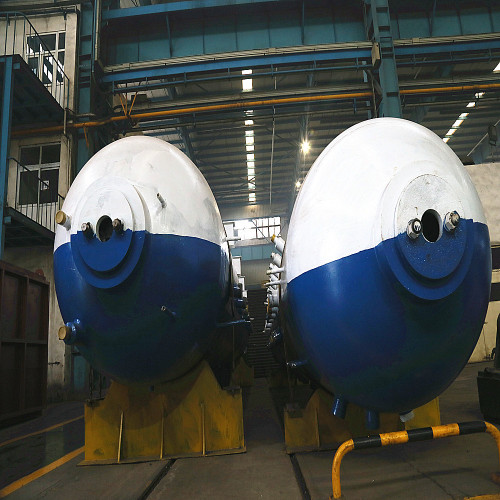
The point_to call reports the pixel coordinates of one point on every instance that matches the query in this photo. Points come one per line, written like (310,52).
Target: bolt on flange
(87,229)
(451,221)
(414,229)
(118,226)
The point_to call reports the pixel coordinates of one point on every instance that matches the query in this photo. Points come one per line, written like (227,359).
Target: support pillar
(6,121)
(378,30)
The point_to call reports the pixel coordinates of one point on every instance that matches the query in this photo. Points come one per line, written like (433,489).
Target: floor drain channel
(156,480)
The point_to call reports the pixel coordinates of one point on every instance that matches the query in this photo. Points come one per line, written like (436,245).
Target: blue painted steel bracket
(165,8)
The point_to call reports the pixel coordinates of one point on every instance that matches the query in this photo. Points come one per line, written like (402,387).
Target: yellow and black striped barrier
(400,437)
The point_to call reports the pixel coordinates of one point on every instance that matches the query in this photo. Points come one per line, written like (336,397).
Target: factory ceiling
(253,91)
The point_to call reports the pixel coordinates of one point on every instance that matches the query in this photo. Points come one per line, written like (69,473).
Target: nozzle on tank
(71,332)
(62,219)
(339,407)
(279,242)
(406,416)
(372,419)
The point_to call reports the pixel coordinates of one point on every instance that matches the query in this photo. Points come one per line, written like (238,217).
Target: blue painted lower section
(377,333)
(159,321)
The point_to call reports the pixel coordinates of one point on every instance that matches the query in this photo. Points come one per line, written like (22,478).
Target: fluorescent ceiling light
(249,139)
(446,139)
(250,157)
(249,112)
(297,184)
(247,84)
(249,132)
(250,148)
(251,197)
(451,131)
(463,115)
(246,72)
(478,95)
(248,122)
(497,68)
(305,147)
(471,104)
(457,123)
(250,164)
(251,172)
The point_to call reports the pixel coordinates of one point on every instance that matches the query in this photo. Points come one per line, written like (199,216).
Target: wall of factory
(64,162)
(41,258)
(18,31)
(486,178)
(256,254)
(59,356)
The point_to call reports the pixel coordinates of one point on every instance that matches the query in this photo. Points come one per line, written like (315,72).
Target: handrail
(400,437)
(42,213)
(7,50)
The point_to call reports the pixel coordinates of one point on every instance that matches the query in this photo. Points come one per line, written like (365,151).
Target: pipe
(244,105)
(400,437)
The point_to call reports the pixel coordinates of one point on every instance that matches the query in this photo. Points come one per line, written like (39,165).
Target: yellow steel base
(243,374)
(315,428)
(191,416)
(427,415)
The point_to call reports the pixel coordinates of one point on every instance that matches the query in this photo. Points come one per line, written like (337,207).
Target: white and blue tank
(141,264)
(386,270)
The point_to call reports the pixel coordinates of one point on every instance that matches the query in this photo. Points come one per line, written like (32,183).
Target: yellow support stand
(427,415)
(189,417)
(243,374)
(315,428)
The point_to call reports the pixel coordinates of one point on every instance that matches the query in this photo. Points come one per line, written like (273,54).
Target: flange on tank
(141,263)
(387,268)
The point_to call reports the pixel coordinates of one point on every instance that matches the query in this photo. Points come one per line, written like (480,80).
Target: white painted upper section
(486,178)
(366,186)
(123,181)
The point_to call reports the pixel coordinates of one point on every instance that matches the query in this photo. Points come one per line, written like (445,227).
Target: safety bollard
(400,437)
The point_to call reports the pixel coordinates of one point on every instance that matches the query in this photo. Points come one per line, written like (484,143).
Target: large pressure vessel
(141,263)
(387,268)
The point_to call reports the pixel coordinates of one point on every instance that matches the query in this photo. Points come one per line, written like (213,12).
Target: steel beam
(213,64)
(165,8)
(5,126)
(455,53)
(378,27)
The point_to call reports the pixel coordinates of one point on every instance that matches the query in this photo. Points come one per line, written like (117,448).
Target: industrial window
(46,59)
(38,182)
(265,227)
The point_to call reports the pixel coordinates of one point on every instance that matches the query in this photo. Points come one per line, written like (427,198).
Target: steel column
(378,27)
(6,122)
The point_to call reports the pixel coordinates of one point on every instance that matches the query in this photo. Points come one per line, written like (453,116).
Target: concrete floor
(454,467)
